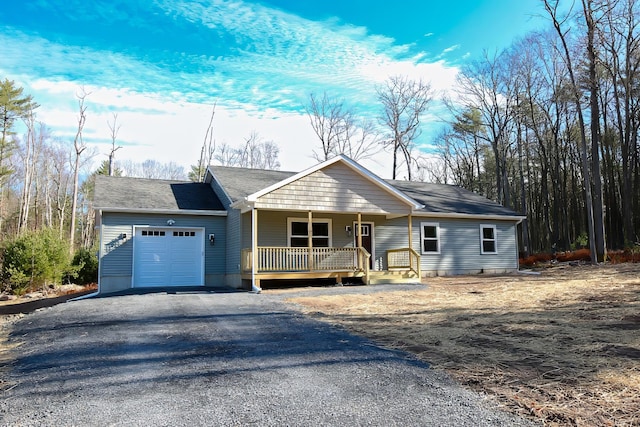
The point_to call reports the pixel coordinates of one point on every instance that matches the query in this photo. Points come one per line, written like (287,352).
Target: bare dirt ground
(561,347)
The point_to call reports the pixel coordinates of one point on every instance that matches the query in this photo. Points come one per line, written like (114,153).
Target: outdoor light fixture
(212,239)
(123,236)
(170,222)
(347,230)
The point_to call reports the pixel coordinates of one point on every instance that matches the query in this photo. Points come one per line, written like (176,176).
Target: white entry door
(168,257)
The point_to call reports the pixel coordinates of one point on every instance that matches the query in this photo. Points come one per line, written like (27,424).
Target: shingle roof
(241,182)
(443,198)
(436,198)
(153,194)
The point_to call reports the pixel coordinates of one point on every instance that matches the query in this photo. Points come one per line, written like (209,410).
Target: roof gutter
(199,212)
(517,218)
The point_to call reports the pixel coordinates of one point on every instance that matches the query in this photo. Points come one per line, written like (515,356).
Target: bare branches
(257,153)
(327,117)
(114,128)
(79,146)
(339,131)
(403,101)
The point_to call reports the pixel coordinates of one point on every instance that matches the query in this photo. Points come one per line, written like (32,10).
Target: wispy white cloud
(256,62)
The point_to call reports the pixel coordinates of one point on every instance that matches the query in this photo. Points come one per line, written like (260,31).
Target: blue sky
(161,64)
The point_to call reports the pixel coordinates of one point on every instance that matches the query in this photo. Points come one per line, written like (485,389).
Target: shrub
(578,255)
(85,265)
(622,256)
(34,259)
(535,259)
(581,241)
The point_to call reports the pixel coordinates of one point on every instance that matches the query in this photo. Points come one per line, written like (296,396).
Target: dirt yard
(562,347)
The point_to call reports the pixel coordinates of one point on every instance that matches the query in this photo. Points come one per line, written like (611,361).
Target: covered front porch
(321,223)
(335,246)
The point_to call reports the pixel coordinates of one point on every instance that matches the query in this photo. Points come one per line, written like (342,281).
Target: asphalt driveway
(218,359)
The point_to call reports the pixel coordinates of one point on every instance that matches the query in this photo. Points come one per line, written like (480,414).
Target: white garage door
(168,257)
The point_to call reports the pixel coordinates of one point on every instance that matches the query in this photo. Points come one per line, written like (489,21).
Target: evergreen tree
(13,105)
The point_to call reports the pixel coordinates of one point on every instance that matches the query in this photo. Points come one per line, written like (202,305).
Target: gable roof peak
(340,158)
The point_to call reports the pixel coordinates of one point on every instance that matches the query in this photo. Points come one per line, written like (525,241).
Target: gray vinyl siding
(459,245)
(272,227)
(234,243)
(117,254)
(335,188)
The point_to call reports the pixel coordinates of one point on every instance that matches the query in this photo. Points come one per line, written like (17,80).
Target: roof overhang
(515,218)
(194,212)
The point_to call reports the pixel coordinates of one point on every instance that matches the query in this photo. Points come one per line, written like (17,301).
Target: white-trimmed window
(488,240)
(298,229)
(430,237)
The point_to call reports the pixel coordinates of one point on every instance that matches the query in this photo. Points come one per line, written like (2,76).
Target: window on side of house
(298,232)
(430,237)
(488,241)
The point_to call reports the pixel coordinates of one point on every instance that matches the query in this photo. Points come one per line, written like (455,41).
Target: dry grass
(562,347)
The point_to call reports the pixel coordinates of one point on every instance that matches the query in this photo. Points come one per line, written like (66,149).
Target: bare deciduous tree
(114,128)
(361,139)
(403,101)
(206,152)
(340,131)
(152,169)
(327,117)
(552,9)
(31,163)
(79,146)
(258,153)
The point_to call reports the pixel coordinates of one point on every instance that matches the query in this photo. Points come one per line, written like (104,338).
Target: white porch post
(410,225)
(410,229)
(359,240)
(310,241)
(255,283)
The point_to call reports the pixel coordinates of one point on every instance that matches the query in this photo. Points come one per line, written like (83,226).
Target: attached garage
(158,233)
(168,257)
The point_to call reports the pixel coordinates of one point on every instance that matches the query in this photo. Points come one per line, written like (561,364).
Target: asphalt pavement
(218,359)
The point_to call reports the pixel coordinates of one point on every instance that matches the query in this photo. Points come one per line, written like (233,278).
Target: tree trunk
(598,211)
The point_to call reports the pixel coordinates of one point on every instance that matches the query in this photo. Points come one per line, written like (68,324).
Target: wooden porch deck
(326,263)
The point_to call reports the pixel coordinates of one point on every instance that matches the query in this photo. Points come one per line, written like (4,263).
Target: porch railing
(404,259)
(273,259)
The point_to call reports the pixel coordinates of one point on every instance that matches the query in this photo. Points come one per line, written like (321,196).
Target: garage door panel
(168,258)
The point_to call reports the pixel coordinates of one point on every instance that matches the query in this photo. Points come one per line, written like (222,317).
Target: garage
(168,257)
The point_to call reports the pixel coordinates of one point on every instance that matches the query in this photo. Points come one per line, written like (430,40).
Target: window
(152,233)
(184,233)
(320,232)
(430,235)
(488,243)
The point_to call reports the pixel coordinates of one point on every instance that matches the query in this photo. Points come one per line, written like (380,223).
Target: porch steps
(382,277)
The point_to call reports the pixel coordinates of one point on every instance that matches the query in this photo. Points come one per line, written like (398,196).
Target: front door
(367,238)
